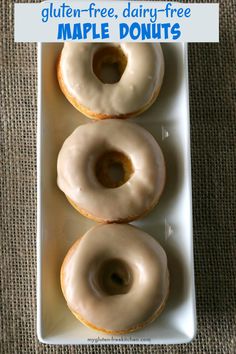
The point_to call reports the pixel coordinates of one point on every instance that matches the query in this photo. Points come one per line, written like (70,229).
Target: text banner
(116,21)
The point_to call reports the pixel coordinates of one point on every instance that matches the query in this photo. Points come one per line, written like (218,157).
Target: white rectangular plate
(59,225)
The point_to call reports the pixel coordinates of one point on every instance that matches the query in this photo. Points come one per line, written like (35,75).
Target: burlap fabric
(212,103)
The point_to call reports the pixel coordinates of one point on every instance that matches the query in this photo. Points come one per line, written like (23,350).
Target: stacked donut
(115,278)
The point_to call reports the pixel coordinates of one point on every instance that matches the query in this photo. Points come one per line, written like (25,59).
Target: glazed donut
(111,170)
(85,71)
(115,278)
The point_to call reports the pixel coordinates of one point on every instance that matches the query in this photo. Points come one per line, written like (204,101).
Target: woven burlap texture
(212,104)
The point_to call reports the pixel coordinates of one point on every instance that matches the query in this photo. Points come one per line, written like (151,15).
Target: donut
(115,278)
(111,171)
(112,80)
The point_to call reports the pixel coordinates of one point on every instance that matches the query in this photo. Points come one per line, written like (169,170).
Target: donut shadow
(174,177)
(173,76)
(174,174)
(172,81)
(179,279)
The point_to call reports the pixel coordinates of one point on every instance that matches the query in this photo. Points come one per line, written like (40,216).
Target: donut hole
(113,169)
(109,64)
(114,277)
